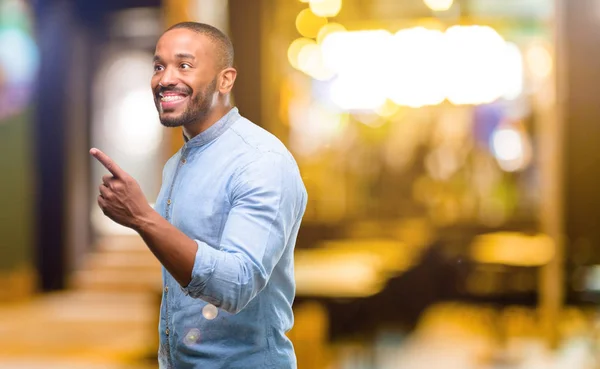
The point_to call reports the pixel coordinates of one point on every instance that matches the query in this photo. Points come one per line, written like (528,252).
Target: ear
(227,80)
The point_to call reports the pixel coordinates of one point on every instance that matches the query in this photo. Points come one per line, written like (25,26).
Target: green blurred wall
(17,194)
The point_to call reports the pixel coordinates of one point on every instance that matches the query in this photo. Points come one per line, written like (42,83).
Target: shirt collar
(213,131)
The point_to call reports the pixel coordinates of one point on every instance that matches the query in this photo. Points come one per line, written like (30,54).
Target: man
(226,218)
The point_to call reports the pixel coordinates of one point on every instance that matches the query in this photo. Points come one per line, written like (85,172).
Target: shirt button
(183,161)
(167,331)
(169,202)
(167,289)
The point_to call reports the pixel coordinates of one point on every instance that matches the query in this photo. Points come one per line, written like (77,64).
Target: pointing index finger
(108,163)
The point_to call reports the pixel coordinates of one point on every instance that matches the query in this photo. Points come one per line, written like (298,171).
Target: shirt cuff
(205,264)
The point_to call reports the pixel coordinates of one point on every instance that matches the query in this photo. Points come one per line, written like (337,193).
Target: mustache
(180,90)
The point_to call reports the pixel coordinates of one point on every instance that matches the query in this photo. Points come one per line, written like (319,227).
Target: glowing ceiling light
(328,29)
(416,67)
(358,52)
(359,59)
(417,56)
(475,63)
(310,61)
(513,72)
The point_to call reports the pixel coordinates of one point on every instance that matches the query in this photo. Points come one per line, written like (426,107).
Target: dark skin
(187,69)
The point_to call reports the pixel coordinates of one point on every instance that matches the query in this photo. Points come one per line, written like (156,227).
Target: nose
(168,78)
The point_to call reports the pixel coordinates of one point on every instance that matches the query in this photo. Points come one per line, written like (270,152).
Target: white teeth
(171,98)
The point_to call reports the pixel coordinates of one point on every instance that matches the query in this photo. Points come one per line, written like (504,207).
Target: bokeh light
(19,57)
(539,60)
(328,29)
(133,133)
(475,58)
(358,59)
(308,23)
(514,72)
(210,312)
(439,5)
(511,148)
(467,65)
(513,249)
(388,109)
(192,336)
(310,61)
(294,50)
(416,70)
(128,119)
(326,8)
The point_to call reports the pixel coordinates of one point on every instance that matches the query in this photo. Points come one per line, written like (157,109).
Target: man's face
(185,77)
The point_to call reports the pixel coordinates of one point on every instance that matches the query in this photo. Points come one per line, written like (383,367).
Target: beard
(196,110)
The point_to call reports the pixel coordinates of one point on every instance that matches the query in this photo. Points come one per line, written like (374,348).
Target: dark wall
(54,19)
(578,69)
(245,29)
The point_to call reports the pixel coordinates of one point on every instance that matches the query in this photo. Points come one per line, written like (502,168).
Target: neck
(213,115)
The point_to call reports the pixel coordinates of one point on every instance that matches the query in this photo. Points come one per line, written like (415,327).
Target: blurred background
(449,149)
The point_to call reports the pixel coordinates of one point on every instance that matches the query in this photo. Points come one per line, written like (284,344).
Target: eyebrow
(157,58)
(185,56)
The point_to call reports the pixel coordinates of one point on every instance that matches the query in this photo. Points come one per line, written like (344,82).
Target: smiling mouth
(170,100)
(171,96)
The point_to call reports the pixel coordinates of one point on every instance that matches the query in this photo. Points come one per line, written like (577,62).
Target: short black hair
(222,42)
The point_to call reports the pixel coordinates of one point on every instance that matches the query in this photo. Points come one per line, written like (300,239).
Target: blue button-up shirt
(236,190)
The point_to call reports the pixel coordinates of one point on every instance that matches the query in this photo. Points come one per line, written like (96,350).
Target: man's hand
(121,198)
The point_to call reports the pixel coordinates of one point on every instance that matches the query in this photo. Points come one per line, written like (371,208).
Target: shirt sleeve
(265,201)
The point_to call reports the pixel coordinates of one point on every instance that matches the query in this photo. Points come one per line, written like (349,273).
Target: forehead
(184,41)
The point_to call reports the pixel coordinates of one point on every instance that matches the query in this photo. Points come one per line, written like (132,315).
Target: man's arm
(122,200)
(175,251)
(266,203)
(265,208)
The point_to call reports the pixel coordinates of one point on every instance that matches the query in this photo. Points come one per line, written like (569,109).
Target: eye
(158,68)
(185,66)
